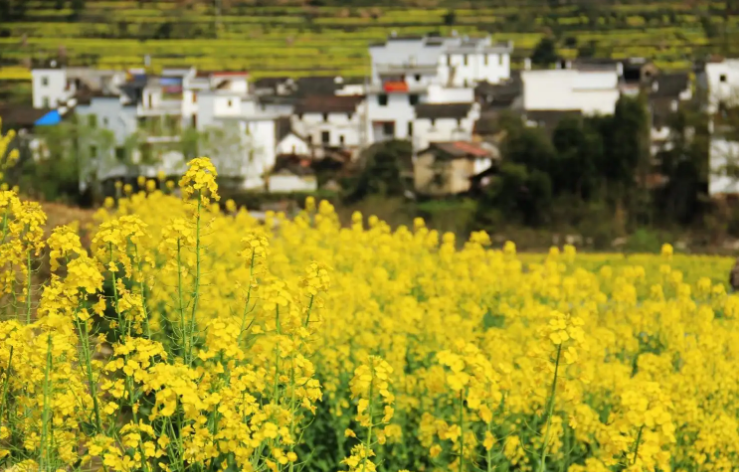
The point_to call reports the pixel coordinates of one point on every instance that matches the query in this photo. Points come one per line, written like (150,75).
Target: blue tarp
(51,118)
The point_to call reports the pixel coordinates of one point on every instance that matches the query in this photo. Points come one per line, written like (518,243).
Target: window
(105,122)
(459,122)
(93,152)
(410,129)
(44,81)
(449,59)
(120,153)
(247,129)
(325,137)
(194,97)
(300,116)
(433,122)
(413,99)
(382,99)
(230,102)
(309,139)
(350,115)
(417,77)
(388,129)
(341,139)
(45,103)
(500,59)
(486,59)
(464,83)
(464,59)
(251,155)
(722,78)
(92,121)
(325,117)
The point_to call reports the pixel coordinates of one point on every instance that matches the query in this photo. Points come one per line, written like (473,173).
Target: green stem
(636,446)
(84,335)
(276,393)
(248,299)
(142,288)
(121,321)
(46,412)
(5,384)
(196,291)
(369,413)
(310,308)
(28,287)
(461,431)
(5,225)
(181,307)
(552,394)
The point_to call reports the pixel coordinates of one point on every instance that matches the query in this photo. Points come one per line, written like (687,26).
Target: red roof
(461,149)
(395,87)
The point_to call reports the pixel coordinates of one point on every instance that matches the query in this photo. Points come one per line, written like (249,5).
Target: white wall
(443,129)
(50,88)
(292,144)
(440,94)
(312,126)
(398,110)
(722,153)
(726,90)
(260,142)
(592,92)
(292,183)
(479,66)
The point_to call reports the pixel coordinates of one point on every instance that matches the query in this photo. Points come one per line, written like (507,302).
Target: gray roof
(443,110)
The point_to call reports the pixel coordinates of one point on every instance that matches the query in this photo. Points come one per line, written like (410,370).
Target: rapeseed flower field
(189,337)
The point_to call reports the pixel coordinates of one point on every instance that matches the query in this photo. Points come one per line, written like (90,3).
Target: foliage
(382,168)
(191,338)
(545,53)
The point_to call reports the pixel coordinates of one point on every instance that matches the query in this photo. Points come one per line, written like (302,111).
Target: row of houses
(443,94)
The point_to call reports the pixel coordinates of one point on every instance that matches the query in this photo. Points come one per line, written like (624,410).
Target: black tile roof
(443,110)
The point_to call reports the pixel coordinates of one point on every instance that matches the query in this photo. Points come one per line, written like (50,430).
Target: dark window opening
(722,78)
(325,117)
(93,152)
(105,122)
(382,99)
(433,121)
(120,153)
(418,77)
(410,129)
(325,137)
(465,59)
(413,99)
(341,139)
(388,129)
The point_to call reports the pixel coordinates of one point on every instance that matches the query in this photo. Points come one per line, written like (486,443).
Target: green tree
(382,173)
(579,153)
(545,52)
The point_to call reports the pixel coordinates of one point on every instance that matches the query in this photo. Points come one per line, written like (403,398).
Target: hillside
(287,37)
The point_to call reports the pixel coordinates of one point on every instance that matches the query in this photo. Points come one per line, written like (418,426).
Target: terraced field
(297,40)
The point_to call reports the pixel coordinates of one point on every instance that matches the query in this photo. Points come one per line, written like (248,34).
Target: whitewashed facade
(721,79)
(590,91)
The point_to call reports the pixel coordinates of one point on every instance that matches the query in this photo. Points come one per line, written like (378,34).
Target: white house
(51,87)
(721,80)
(724,167)
(592,91)
(441,122)
(293,144)
(330,121)
(452,61)
(243,138)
